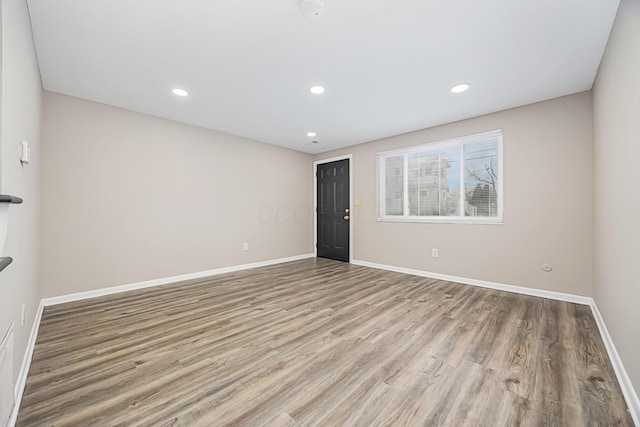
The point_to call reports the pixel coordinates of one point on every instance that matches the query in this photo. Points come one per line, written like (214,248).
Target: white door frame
(315,201)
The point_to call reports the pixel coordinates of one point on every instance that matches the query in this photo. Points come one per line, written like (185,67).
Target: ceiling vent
(311,8)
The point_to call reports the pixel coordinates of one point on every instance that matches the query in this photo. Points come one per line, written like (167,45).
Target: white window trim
(405,152)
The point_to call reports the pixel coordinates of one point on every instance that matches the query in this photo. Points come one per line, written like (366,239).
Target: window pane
(434,182)
(457,180)
(394,185)
(481,178)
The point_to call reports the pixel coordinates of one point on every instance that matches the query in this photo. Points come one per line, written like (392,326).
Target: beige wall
(129,197)
(21,103)
(547,203)
(617,187)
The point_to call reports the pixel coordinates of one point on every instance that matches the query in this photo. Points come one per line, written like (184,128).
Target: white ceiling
(387,65)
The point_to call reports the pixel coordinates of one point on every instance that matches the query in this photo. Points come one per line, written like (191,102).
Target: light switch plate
(25,152)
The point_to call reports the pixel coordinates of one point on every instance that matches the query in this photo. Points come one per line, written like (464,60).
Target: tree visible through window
(454,180)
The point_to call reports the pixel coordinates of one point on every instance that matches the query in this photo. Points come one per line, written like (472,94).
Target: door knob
(346,217)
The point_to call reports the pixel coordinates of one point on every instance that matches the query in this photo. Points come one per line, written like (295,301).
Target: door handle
(346,217)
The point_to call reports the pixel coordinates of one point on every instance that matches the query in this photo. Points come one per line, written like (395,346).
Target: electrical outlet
(245,246)
(434,253)
(24,309)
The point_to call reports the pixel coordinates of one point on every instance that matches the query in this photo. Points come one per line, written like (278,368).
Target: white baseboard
(28,354)
(577,299)
(630,395)
(21,380)
(628,391)
(166,280)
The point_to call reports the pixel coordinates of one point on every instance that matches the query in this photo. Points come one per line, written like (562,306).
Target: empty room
(319,213)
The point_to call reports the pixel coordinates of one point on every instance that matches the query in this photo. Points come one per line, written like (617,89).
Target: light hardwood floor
(319,342)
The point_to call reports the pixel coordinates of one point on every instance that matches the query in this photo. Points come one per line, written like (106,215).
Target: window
(458,180)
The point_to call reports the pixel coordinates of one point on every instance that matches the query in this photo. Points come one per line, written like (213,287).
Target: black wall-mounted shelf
(4,262)
(5,198)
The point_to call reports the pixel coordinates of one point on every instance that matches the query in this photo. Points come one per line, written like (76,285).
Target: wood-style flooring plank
(320,343)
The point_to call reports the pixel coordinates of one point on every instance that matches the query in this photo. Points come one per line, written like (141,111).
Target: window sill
(442,221)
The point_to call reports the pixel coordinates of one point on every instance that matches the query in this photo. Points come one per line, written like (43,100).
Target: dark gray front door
(333,210)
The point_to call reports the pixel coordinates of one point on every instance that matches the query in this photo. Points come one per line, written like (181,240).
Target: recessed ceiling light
(311,134)
(317,90)
(180,92)
(460,88)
